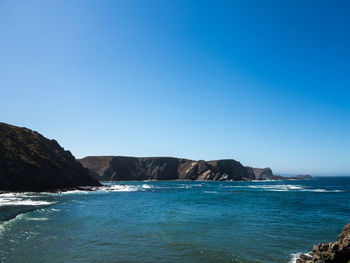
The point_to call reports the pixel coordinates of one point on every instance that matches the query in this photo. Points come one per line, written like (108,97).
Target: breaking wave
(21,199)
(3,225)
(285,188)
(294,257)
(125,188)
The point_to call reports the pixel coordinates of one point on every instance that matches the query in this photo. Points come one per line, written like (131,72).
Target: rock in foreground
(333,252)
(31,162)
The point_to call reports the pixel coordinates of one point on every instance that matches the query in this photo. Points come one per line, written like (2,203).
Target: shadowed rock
(31,162)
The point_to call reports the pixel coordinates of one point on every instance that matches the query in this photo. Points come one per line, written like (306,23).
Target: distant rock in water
(333,252)
(264,174)
(118,168)
(267,174)
(303,176)
(31,162)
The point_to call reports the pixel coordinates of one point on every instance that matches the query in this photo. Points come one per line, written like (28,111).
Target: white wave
(283,187)
(75,192)
(210,192)
(8,223)
(294,187)
(295,256)
(126,188)
(36,218)
(317,190)
(265,187)
(200,185)
(17,194)
(289,187)
(8,195)
(25,199)
(122,188)
(13,202)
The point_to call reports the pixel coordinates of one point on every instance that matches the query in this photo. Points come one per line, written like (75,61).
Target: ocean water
(175,221)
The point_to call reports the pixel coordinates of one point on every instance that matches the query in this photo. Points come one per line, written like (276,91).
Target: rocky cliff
(164,168)
(31,162)
(333,252)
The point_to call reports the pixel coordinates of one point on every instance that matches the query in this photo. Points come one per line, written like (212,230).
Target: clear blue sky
(264,82)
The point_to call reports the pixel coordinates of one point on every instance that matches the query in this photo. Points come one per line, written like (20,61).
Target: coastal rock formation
(31,162)
(261,173)
(303,176)
(164,168)
(264,174)
(333,252)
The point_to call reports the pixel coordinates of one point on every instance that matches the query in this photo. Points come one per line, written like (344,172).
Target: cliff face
(333,252)
(31,162)
(164,168)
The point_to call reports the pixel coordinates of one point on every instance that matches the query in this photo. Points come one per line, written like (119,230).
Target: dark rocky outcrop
(31,162)
(333,252)
(164,168)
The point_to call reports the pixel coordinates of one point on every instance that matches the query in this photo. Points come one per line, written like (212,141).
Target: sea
(175,221)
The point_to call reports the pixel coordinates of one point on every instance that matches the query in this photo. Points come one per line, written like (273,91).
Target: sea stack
(31,162)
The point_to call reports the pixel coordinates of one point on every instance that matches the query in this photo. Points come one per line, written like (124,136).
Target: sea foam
(21,199)
(294,257)
(9,222)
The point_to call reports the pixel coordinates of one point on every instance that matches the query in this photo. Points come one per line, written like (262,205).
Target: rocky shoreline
(332,252)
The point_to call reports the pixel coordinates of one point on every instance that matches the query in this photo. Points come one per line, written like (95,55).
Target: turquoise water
(174,222)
